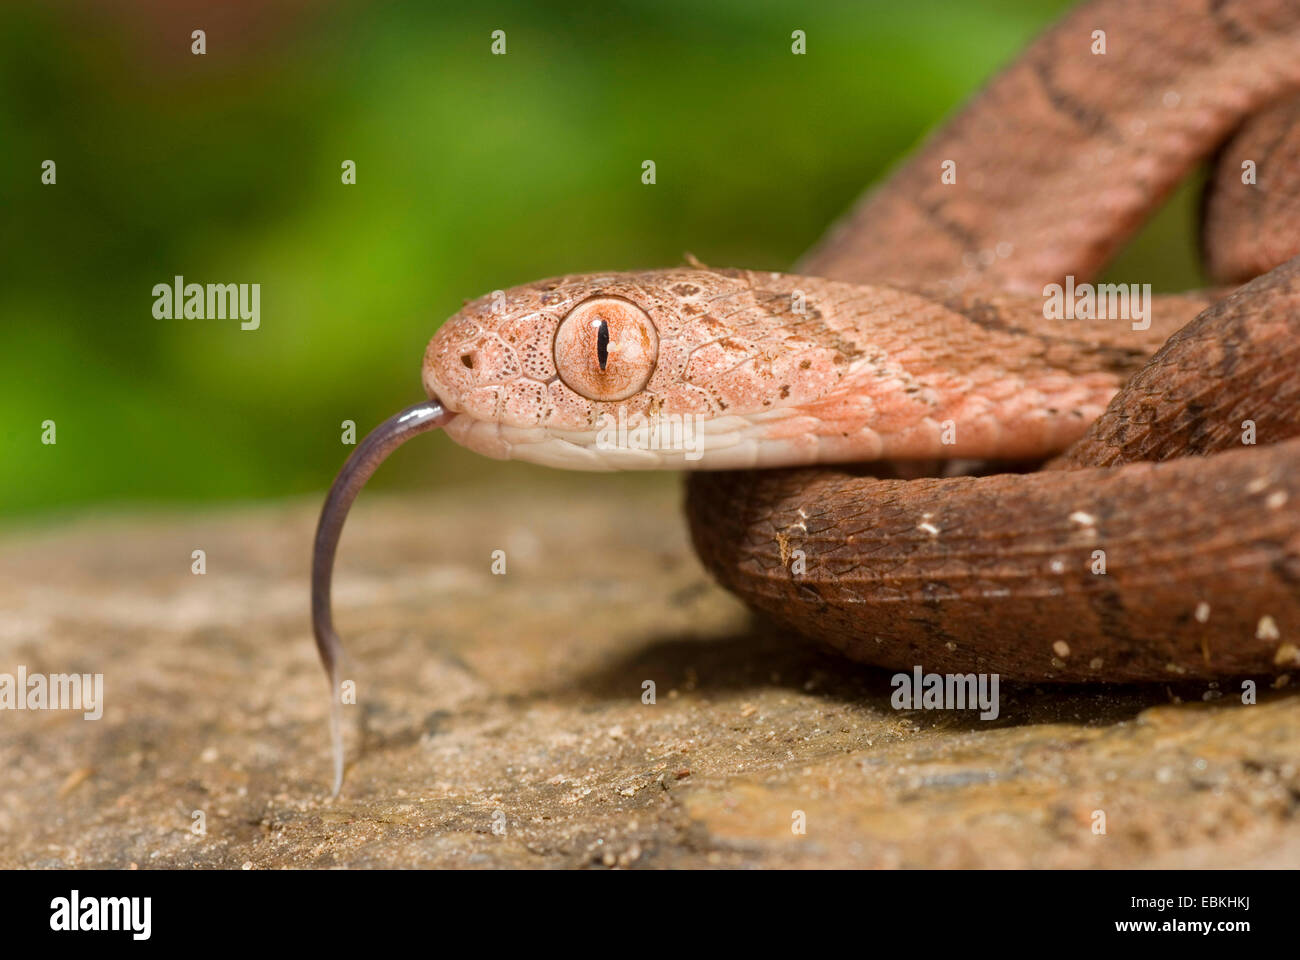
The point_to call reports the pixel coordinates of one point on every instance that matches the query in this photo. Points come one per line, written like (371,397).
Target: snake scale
(1151,529)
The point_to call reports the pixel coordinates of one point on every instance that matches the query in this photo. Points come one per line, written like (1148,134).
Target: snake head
(665,369)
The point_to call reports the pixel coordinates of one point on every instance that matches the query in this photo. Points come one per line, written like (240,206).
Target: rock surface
(500,718)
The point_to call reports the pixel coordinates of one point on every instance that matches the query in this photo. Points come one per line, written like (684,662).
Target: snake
(938,441)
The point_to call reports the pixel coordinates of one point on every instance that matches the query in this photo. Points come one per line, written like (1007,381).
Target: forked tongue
(365,460)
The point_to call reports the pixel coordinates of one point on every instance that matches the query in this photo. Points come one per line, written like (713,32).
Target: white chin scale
(718,443)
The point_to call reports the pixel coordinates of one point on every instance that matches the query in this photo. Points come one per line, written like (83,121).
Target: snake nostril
(468,360)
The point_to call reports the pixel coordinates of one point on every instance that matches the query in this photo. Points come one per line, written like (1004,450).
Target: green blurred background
(473,172)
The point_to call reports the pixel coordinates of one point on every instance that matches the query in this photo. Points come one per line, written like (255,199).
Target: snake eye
(606,348)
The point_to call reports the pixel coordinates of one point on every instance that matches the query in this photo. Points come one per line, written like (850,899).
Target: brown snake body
(1001,573)
(1164,539)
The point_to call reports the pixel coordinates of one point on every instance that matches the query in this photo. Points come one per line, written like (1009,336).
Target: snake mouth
(360,467)
(618,441)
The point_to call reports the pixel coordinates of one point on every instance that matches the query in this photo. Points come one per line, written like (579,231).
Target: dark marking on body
(1231,30)
(1087,117)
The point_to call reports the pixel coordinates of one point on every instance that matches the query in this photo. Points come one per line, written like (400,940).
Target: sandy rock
(500,719)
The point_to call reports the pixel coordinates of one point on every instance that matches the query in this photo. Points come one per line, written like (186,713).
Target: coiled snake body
(1163,540)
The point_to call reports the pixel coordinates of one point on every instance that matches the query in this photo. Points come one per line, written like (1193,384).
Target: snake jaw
(622,442)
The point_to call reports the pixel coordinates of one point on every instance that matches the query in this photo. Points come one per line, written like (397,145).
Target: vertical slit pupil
(602,344)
